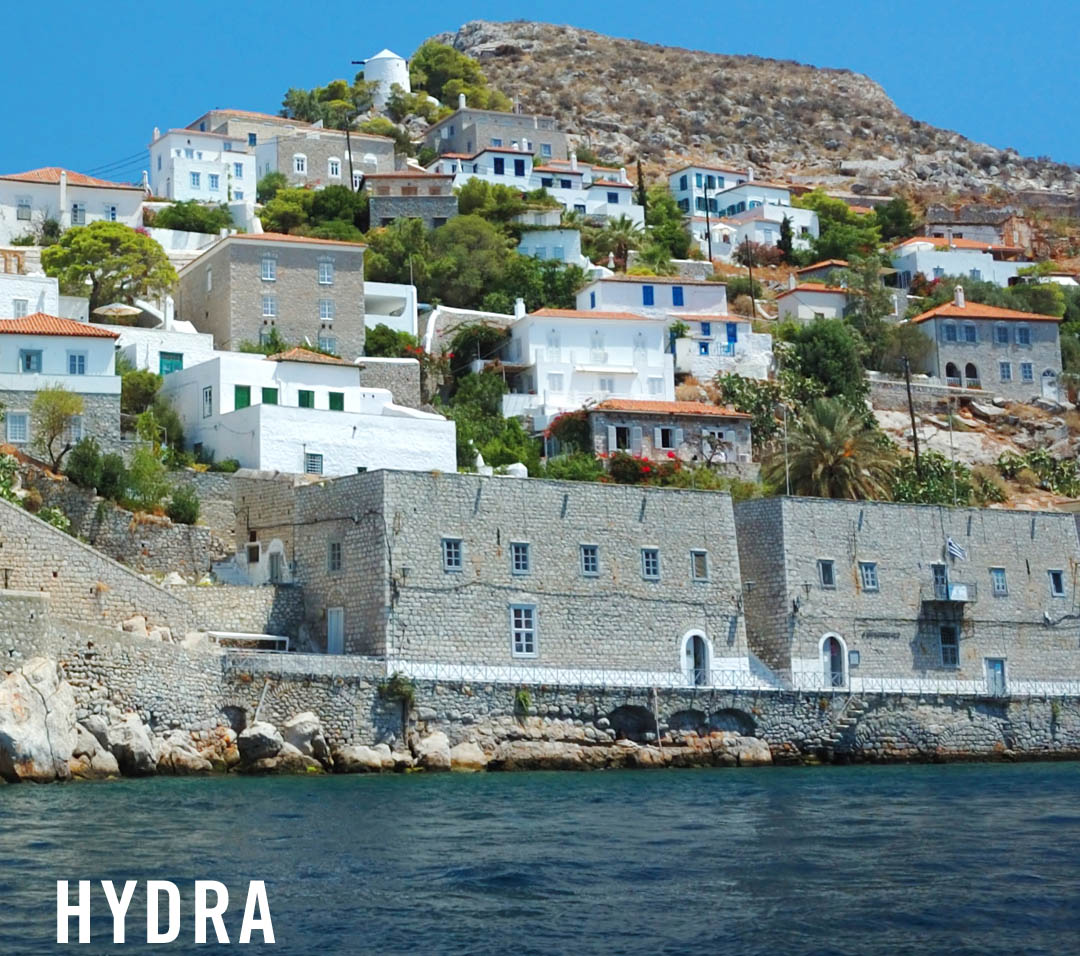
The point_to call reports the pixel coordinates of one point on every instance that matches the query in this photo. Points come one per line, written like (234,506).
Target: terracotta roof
(716,169)
(306,355)
(657,280)
(610,182)
(837,263)
(976,310)
(810,287)
(551,168)
(943,242)
(587,314)
(412,174)
(283,237)
(50,175)
(38,323)
(709,317)
(643,407)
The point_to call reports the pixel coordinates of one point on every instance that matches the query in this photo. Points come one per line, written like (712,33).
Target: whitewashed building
(695,186)
(303,412)
(558,360)
(392,304)
(937,258)
(716,344)
(29,199)
(654,296)
(806,302)
(207,167)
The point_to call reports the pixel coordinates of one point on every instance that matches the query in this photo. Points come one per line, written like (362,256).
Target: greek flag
(955,551)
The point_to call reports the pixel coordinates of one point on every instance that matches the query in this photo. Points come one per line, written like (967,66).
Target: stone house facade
(470,130)
(411,195)
(320,157)
(491,576)
(875,596)
(246,285)
(1013,354)
(1000,225)
(660,431)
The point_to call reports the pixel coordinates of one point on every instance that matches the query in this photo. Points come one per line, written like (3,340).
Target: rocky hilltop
(625,98)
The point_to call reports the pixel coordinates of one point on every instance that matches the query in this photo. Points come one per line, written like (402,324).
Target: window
(264,334)
(188,153)
(590,560)
(30,360)
(357,178)
(499,166)
(941,581)
(196,180)
(592,300)
(1057,583)
(312,464)
(647,295)
(998,581)
(1023,335)
(20,307)
(73,433)
(656,385)
(699,565)
(253,139)
(523,630)
(540,252)
(938,272)
(622,438)
(238,170)
(703,348)
(18,426)
(241,396)
(950,333)
(950,646)
(326,273)
(76,363)
(299,163)
(826,571)
(326,310)
(976,274)
(706,328)
(209,280)
(208,401)
(78,214)
(213,181)
(269,306)
(519,557)
(650,564)
(519,167)
(613,198)
(578,206)
(22,208)
(970,333)
(558,252)
(676,295)
(1001,334)
(333,556)
(306,398)
(328,343)
(109,213)
(683,185)
(547,182)
(545,150)
(269,396)
(665,437)
(496,141)
(698,180)
(868,575)
(1005,371)
(269,269)
(569,184)
(1027,372)
(555,381)
(333,168)
(452,554)
(337,401)
(710,181)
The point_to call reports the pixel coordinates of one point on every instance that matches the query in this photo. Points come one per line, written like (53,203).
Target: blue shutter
(646,295)
(676,295)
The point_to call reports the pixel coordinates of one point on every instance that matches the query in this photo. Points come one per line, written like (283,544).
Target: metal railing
(950,592)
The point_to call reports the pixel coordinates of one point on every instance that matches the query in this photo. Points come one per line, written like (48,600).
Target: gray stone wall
(209,310)
(215,506)
(473,130)
(101,415)
(320,145)
(401,376)
(433,210)
(761,544)
(270,609)
(926,398)
(692,442)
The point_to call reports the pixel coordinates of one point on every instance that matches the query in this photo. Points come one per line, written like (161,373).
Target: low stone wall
(892,395)
(216,510)
(270,609)
(400,376)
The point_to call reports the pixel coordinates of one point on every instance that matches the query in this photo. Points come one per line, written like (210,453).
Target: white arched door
(834,661)
(697,659)
(1049,385)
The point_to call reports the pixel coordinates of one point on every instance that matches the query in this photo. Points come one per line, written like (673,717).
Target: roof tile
(643,407)
(38,323)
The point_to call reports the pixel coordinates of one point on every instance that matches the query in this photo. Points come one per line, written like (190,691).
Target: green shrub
(626,469)
(147,482)
(56,518)
(183,507)
(398,687)
(114,477)
(578,466)
(987,485)
(84,464)
(227,465)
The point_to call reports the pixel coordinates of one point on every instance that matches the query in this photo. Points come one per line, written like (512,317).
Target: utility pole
(708,223)
(911,412)
(750,269)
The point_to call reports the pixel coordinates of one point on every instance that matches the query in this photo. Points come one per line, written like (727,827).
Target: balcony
(954,593)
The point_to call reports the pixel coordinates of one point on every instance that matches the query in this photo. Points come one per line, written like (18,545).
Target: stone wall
(892,395)
(100,417)
(215,506)
(427,208)
(401,376)
(268,609)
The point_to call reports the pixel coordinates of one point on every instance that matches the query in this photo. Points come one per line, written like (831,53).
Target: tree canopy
(336,104)
(842,231)
(333,212)
(193,216)
(444,72)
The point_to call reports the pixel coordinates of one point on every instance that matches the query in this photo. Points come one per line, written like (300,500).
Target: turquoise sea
(960,859)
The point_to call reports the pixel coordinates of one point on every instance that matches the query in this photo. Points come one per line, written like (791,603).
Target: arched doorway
(952,374)
(834,660)
(697,659)
(1049,384)
(971,375)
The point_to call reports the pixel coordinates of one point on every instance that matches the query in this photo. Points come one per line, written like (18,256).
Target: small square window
(269,396)
(313,464)
(253,139)
(30,360)
(78,214)
(337,401)
(195,180)
(22,208)
(950,333)
(306,398)
(333,556)
(20,307)
(647,296)
(523,630)
(327,343)
(999,582)
(676,295)
(1057,584)
(868,574)
(1005,371)
(1023,335)
(590,560)
(238,170)
(1001,334)
(826,573)
(699,565)
(169,362)
(326,310)
(213,181)
(970,333)
(269,306)
(18,426)
(452,554)
(1027,372)
(519,557)
(703,348)
(706,329)
(650,564)
(241,396)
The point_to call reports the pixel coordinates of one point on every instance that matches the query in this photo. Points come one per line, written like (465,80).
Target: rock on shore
(37,724)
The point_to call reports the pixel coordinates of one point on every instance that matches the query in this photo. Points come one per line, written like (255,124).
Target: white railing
(935,685)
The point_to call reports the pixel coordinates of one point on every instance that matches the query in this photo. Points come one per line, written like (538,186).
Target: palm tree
(831,453)
(658,258)
(620,236)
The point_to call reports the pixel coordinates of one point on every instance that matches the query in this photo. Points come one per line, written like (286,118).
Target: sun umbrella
(114,309)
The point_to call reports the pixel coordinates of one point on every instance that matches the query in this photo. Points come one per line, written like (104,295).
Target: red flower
(646,469)
(449,355)
(671,454)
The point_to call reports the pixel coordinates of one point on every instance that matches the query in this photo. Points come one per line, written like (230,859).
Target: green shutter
(241,396)
(337,401)
(269,396)
(170,362)
(307,399)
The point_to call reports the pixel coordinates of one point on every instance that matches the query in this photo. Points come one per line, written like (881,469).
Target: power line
(104,167)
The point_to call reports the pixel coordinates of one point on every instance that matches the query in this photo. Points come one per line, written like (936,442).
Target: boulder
(383,750)
(433,751)
(539,755)
(177,755)
(90,760)
(468,757)
(259,741)
(286,760)
(37,724)
(135,625)
(986,412)
(129,742)
(304,731)
(99,727)
(753,752)
(160,634)
(403,761)
(358,760)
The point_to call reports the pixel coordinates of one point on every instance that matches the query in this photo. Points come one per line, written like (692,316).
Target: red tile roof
(562,171)
(283,237)
(50,175)
(643,407)
(609,183)
(38,323)
(837,263)
(410,174)
(716,169)
(810,287)
(657,280)
(941,242)
(306,355)
(588,314)
(976,310)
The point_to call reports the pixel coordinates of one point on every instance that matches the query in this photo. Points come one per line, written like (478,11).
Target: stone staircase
(852,712)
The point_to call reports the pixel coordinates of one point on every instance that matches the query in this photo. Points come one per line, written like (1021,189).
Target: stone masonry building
(483,578)
(310,290)
(411,195)
(469,130)
(875,596)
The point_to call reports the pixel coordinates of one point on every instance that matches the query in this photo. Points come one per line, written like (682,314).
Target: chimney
(517,104)
(573,161)
(146,182)
(461,101)
(519,308)
(156,136)
(791,283)
(65,212)
(750,174)
(958,297)
(623,178)
(170,312)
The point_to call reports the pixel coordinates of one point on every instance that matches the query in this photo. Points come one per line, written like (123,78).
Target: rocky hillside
(626,97)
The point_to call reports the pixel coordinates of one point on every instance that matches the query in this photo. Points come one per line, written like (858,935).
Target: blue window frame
(76,363)
(238,170)
(676,295)
(545,150)
(519,557)
(592,300)
(253,139)
(590,560)
(499,165)
(213,178)
(697,180)
(706,327)
(710,182)
(453,554)
(682,182)
(519,167)
(613,198)
(1023,335)
(1005,371)
(1001,334)
(170,362)
(30,360)
(703,348)
(647,295)
(547,182)
(568,184)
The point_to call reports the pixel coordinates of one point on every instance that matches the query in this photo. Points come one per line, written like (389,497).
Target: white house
(303,412)
(717,344)
(806,302)
(545,238)
(655,296)
(28,199)
(43,351)
(558,360)
(695,186)
(392,304)
(208,167)
(936,258)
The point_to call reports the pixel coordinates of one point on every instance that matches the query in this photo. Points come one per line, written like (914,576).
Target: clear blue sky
(94,79)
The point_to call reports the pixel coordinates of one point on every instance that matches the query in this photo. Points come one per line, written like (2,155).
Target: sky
(87,92)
